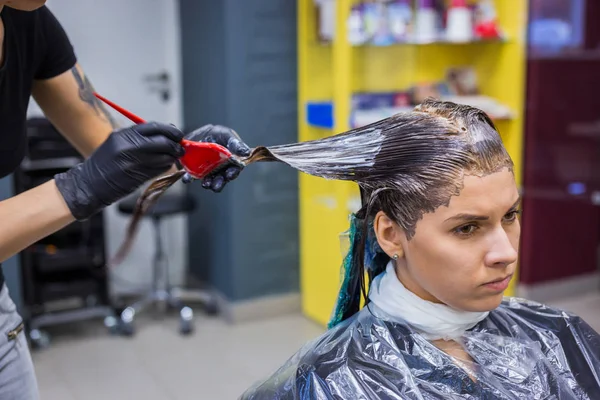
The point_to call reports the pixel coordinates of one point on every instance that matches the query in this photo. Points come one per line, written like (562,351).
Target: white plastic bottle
(426,22)
(459,27)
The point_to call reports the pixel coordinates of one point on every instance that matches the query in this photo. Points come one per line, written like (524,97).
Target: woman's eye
(511,216)
(466,230)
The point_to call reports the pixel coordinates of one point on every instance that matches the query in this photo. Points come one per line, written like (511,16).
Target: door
(130,51)
(561,220)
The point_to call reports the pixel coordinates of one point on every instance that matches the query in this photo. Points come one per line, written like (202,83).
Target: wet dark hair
(405,165)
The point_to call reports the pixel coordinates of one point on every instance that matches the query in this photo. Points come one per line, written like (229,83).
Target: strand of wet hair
(147,199)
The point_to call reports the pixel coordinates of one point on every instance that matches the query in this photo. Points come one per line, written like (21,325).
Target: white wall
(117,43)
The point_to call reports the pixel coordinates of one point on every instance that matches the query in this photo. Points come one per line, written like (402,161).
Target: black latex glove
(124,162)
(228,138)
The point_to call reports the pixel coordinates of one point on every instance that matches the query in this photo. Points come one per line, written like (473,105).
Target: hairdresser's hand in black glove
(228,138)
(124,162)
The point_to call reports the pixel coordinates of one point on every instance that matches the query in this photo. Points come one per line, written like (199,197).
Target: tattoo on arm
(86,93)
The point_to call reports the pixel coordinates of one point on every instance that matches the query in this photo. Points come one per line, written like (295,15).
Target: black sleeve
(55,50)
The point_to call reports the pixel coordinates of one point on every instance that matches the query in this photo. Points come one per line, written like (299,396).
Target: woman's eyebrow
(468,217)
(474,217)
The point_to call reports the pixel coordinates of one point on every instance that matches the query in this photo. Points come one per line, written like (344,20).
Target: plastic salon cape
(522,350)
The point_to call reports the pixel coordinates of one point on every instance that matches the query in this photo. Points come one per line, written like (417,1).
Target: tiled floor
(219,361)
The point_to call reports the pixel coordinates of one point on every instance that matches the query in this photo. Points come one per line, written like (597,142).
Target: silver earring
(395,257)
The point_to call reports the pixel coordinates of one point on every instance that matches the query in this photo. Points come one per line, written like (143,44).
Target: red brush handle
(199,159)
(128,114)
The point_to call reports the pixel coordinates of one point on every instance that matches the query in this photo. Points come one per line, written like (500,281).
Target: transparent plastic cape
(522,350)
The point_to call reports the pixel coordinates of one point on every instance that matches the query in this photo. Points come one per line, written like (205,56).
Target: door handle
(160,77)
(159,82)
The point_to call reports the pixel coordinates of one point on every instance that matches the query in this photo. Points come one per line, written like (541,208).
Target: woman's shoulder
(361,339)
(538,314)
(334,347)
(566,341)
(524,306)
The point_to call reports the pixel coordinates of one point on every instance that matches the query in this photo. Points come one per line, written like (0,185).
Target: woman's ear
(388,235)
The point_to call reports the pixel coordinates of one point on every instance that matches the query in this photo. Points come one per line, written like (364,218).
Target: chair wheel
(126,328)
(112,324)
(186,327)
(186,321)
(39,339)
(117,326)
(211,307)
(126,322)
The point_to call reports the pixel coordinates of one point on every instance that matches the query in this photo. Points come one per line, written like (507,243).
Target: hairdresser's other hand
(228,138)
(125,161)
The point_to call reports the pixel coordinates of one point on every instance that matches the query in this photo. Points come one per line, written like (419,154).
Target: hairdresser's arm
(31,216)
(126,160)
(68,101)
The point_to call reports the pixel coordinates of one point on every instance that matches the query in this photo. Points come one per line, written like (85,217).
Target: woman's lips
(499,285)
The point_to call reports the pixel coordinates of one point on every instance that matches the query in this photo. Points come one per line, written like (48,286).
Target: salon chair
(169,204)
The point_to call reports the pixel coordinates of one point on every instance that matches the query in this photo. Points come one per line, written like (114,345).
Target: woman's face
(462,255)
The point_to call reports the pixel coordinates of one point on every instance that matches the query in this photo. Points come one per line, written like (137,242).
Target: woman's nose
(501,252)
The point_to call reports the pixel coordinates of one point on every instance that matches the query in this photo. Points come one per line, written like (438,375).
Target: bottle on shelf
(459,26)
(426,22)
(400,15)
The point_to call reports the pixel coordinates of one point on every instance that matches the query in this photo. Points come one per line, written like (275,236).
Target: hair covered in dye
(405,165)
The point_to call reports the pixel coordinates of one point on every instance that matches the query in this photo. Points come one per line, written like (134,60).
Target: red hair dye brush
(199,160)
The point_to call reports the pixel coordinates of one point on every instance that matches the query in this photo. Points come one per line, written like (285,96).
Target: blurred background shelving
(360,62)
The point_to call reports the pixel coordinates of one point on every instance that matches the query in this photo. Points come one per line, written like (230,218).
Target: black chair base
(168,296)
(125,325)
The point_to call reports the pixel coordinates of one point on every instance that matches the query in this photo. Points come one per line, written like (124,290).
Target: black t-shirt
(35,47)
